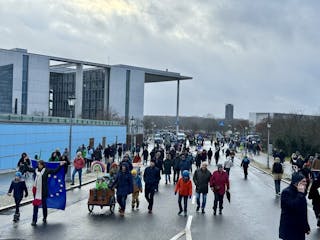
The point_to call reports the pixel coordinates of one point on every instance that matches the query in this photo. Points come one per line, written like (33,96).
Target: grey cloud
(258,55)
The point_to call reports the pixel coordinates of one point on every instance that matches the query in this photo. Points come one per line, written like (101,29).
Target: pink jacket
(219,181)
(79,163)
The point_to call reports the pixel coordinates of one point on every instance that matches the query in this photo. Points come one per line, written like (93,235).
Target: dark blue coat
(123,183)
(151,177)
(293,220)
(185,165)
(18,188)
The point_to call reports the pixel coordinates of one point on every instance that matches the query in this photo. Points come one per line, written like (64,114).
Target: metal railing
(55,120)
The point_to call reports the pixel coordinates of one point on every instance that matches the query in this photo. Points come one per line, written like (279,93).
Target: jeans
(121,199)
(204,199)
(185,202)
(227,171)
(168,178)
(149,193)
(44,211)
(277,185)
(79,173)
(218,198)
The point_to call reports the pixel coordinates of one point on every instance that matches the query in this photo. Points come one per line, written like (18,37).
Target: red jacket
(184,188)
(79,163)
(219,181)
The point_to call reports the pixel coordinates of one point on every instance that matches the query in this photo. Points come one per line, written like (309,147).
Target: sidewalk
(260,161)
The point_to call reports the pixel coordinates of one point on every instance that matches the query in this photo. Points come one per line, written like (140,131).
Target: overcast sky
(260,55)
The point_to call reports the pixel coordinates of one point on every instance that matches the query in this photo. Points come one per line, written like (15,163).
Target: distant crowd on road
(123,173)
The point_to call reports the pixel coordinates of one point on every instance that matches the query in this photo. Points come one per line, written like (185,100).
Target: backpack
(277,168)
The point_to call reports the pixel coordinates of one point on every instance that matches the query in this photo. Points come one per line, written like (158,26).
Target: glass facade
(6,81)
(62,85)
(93,94)
(24,96)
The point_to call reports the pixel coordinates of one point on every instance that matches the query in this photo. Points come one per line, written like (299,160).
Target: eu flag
(56,186)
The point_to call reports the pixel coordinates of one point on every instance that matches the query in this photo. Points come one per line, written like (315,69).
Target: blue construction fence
(43,139)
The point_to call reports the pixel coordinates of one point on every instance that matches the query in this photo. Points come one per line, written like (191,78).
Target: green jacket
(102,185)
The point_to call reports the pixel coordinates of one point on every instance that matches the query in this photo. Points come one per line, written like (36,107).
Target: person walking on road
(315,197)
(145,154)
(294,220)
(176,168)
(137,188)
(124,186)
(228,164)
(219,184)
(78,163)
(245,165)
(201,179)
(217,155)
(210,153)
(184,190)
(18,186)
(167,165)
(277,171)
(151,178)
(40,189)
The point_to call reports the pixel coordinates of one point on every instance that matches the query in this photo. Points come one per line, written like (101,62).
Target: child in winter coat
(184,189)
(18,185)
(137,187)
(102,185)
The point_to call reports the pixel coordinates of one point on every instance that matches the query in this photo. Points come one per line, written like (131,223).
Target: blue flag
(56,186)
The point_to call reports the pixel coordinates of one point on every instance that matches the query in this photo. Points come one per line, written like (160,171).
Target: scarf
(37,188)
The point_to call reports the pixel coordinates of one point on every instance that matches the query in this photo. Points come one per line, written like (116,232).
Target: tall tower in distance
(229,114)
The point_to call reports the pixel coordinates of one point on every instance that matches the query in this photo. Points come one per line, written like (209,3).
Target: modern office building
(40,85)
(229,114)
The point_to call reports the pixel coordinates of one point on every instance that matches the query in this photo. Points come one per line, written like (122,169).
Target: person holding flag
(47,185)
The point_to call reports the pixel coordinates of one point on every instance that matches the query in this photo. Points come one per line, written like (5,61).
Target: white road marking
(186,231)
(179,235)
(193,199)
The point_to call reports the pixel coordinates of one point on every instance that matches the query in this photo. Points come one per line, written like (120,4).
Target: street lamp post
(132,122)
(245,140)
(71,103)
(268,147)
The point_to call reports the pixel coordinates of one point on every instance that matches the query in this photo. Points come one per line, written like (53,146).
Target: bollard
(68,178)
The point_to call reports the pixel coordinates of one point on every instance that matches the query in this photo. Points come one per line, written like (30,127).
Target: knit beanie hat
(296,177)
(18,174)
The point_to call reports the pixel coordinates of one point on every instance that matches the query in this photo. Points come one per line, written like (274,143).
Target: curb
(26,202)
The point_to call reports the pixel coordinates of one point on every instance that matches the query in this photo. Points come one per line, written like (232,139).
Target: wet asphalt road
(253,214)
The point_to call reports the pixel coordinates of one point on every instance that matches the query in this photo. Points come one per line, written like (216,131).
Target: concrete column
(79,90)
(106,91)
(177,116)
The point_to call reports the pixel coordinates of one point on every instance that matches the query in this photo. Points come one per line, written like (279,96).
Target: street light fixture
(268,147)
(71,103)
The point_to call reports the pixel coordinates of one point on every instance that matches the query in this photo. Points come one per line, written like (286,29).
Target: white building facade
(34,84)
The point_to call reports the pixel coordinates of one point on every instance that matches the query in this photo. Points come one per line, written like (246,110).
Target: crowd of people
(127,179)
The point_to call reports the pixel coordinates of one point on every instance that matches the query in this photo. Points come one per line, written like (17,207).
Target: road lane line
(179,235)
(186,230)
(193,199)
(188,226)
